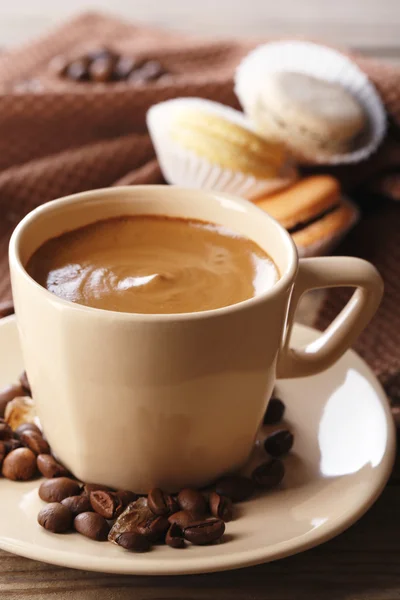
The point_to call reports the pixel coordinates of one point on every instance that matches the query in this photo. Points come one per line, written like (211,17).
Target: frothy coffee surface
(151,264)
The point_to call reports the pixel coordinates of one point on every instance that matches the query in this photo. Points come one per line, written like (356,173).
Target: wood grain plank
(361,564)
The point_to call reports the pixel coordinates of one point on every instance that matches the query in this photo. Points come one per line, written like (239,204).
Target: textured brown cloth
(58,137)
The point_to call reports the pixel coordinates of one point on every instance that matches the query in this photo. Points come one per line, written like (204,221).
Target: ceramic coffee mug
(136,400)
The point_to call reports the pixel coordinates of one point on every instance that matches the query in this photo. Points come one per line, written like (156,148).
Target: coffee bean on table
(23,379)
(174,537)
(55,517)
(279,443)
(154,528)
(124,67)
(106,504)
(161,503)
(49,467)
(126,497)
(78,70)
(183,518)
(275,411)
(236,487)
(133,541)
(7,394)
(12,444)
(27,427)
(6,433)
(92,525)
(19,465)
(204,532)
(77,504)
(192,501)
(35,442)
(148,71)
(220,507)
(55,490)
(101,69)
(269,474)
(93,487)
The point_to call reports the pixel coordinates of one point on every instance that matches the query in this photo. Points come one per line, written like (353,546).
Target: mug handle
(325,272)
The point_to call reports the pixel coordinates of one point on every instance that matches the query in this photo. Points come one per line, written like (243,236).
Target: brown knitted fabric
(58,137)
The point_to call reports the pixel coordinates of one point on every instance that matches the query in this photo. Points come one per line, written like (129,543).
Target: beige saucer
(343,454)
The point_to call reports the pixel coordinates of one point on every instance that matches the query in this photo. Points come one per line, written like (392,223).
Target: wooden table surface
(362,563)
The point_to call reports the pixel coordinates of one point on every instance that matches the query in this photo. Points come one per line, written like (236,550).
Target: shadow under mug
(136,401)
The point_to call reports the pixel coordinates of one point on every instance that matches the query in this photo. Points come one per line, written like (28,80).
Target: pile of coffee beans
(103,65)
(135,523)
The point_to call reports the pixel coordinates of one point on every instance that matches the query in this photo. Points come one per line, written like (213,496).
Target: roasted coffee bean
(7,394)
(124,67)
(26,427)
(19,465)
(204,532)
(275,411)
(49,467)
(93,487)
(220,507)
(133,541)
(235,487)
(101,69)
(55,517)
(154,528)
(77,504)
(92,525)
(6,433)
(23,379)
(6,308)
(269,474)
(148,71)
(3,452)
(35,442)
(12,444)
(160,503)
(192,501)
(183,518)
(174,537)
(126,497)
(78,70)
(279,443)
(55,490)
(107,504)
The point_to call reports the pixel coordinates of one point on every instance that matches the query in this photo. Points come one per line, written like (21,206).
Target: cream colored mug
(137,400)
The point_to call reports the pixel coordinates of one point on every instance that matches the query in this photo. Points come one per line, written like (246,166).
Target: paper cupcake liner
(185,168)
(323,63)
(327,244)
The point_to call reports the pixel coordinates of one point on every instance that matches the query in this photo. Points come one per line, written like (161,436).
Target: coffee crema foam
(154,265)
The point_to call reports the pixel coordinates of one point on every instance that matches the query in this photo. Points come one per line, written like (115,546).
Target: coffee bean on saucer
(236,487)
(153,528)
(161,503)
(77,504)
(35,442)
(133,541)
(6,433)
(19,465)
(11,445)
(275,411)
(279,443)
(174,537)
(220,507)
(49,467)
(26,427)
(55,517)
(23,379)
(269,474)
(8,393)
(192,501)
(183,518)
(6,308)
(106,504)
(93,487)
(126,497)
(55,490)
(78,70)
(204,532)
(92,525)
